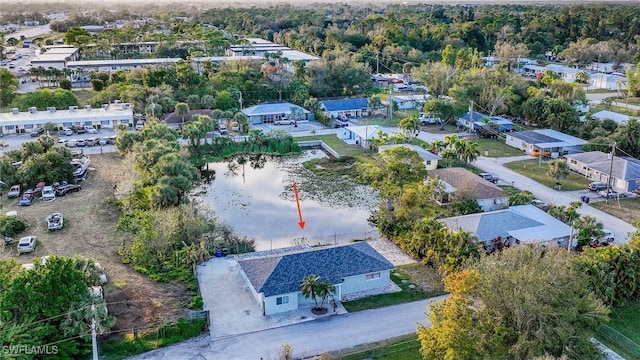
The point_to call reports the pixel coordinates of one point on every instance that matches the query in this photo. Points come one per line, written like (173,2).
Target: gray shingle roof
(626,168)
(532,137)
(274,275)
(269,108)
(465,180)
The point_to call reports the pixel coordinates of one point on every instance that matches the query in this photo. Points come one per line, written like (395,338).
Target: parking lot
(14,141)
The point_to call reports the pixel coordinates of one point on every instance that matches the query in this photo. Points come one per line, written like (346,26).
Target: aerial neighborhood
(319,180)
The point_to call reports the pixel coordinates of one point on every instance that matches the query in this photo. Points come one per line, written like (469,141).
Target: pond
(255,196)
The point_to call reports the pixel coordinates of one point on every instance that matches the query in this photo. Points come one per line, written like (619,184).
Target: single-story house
(345,107)
(362,135)
(595,165)
(522,224)
(462,184)
(608,82)
(108,116)
(275,277)
(621,119)
(477,121)
(269,112)
(430,159)
(545,140)
(406,102)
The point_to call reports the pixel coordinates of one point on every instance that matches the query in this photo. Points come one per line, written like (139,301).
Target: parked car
(536,152)
(139,125)
(14,192)
(284,121)
(70,143)
(597,186)
(104,141)
(62,142)
(489,177)
(426,119)
(55,221)
(37,132)
(27,244)
(607,238)
(611,194)
(540,204)
(66,132)
(62,190)
(79,129)
(48,193)
(90,129)
(27,199)
(80,143)
(112,140)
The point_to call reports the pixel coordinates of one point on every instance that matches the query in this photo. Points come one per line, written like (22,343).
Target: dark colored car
(597,186)
(62,190)
(27,199)
(37,132)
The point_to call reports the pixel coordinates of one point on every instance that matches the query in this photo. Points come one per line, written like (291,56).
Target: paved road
(495,166)
(309,338)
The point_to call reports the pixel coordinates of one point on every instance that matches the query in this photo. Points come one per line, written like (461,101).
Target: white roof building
(621,119)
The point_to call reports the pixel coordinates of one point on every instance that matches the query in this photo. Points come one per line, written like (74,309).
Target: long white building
(109,116)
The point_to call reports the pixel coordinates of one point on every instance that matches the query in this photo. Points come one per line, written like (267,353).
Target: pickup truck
(489,177)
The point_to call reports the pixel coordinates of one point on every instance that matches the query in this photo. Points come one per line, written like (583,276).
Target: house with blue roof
(345,108)
(476,121)
(270,112)
(597,165)
(275,277)
(523,224)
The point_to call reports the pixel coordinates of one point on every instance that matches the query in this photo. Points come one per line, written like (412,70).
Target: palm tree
(182,109)
(319,290)
(468,151)
(437,146)
(558,170)
(410,126)
(308,287)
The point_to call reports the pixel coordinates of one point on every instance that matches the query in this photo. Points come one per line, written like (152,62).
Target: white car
(27,244)
(608,237)
(55,221)
(48,193)
(90,129)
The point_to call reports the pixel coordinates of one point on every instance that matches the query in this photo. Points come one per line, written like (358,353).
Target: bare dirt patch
(425,277)
(89,232)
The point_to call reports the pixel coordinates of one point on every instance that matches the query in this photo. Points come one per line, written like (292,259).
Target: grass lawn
(624,319)
(530,169)
(83,96)
(496,148)
(618,109)
(426,284)
(336,144)
(628,210)
(399,348)
(377,120)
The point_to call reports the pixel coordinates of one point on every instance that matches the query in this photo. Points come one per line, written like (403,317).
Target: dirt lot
(628,209)
(89,232)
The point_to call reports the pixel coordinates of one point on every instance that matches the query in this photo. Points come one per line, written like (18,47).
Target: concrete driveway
(307,339)
(496,167)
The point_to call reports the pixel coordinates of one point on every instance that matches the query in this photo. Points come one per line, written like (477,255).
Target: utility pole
(377,63)
(94,343)
(470,123)
(613,155)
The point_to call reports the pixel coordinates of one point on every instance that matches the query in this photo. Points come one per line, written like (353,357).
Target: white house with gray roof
(270,112)
(595,165)
(275,276)
(522,224)
(620,119)
(554,142)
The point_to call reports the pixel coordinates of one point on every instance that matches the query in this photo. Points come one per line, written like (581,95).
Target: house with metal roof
(596,165)
(522,224)
(275,277)
(460,184)
(476,121)
(430,159)
(362,135)
(345,108)
(545,141)
(621,119)
(270,112)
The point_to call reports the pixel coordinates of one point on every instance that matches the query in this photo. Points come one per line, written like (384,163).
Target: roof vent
(51,109)
(15,111)
(117,101)
(73,108)
(33,109)
(87,107)
(105,106)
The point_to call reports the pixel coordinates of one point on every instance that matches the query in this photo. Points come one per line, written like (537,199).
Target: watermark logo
(29,350)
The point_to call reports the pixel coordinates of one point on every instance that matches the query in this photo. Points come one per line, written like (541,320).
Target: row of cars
(47,193)
(605,191)
(95,141)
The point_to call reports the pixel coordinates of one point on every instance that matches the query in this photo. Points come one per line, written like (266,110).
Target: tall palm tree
(410,126)
(182,109)
(468,151)
(436,146)
(558,170)
(308,287)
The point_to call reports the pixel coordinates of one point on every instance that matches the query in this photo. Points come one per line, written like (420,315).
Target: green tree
(182,110)
(588,229)
(9,86)
(76,36)
(524,302)
(557,170)
(521,198)
(410,126)
(44,98)
(318,290)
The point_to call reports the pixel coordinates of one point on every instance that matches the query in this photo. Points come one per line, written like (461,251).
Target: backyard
(530,169)
(336,144)
(628,209)
(622,333)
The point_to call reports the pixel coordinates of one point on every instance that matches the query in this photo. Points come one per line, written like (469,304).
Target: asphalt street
(307,339)
(496,167)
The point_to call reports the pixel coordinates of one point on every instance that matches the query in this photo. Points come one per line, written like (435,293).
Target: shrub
(11,226)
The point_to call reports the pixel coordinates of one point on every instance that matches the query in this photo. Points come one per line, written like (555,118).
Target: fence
(320,144)
(337,238)
(385,351)
(620,340)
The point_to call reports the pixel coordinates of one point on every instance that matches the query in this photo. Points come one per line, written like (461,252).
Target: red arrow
(295,191)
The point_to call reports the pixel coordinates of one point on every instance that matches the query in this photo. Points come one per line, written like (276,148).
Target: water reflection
(252,195)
